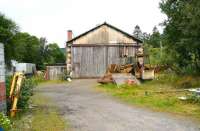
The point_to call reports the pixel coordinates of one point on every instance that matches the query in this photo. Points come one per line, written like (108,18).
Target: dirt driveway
(88,110)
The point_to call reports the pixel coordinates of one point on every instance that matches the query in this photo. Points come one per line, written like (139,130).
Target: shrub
(5,122)
(25,93)
(8,83)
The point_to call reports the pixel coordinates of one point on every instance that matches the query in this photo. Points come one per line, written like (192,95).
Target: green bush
(5,122)
(8,83)
(25,93)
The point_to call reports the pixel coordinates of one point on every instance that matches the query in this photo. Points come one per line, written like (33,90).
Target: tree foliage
(53,54)
(27,48)
(155,38)
(182,31)
(8,29)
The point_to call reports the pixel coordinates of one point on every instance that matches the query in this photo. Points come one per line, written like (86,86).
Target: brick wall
(2,97)
(2,80)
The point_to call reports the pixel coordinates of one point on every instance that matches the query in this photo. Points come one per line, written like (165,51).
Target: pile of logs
(114,68)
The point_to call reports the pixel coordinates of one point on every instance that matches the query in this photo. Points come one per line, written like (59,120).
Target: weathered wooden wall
(2,80)
(92,60)
(104,34)
(55,72)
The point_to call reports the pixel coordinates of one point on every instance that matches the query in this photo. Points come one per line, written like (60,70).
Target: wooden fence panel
(55,72)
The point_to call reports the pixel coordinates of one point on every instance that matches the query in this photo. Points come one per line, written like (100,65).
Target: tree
(53,54)
(155,39)
(138,32)
(43,42)
(146,37)
(182,31)
(8,29)
(27,48)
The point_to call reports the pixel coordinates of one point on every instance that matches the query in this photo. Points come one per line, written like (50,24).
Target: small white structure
(26,68)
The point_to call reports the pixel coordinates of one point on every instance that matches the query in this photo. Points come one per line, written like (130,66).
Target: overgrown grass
(160,94)
(43,117)
(177,81)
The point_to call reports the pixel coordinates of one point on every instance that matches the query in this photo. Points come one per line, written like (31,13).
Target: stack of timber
(114,68)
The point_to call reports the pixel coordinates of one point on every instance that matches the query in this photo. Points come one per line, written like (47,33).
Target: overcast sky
(52,18)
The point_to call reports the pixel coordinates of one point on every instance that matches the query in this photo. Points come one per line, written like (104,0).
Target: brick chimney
(69,35)
(68,51)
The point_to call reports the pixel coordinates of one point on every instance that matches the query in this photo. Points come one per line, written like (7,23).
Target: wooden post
(15,92)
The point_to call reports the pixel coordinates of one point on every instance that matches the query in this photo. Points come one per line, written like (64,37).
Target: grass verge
(43,117)
(158,95)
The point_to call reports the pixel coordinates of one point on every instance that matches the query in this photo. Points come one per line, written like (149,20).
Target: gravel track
(89,110)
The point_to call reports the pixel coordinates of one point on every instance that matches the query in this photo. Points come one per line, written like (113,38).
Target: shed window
(123,51)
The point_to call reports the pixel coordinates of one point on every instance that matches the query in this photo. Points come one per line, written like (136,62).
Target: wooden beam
(106,44)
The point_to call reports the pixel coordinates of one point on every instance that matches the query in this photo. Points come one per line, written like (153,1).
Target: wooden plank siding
(104,34)
(91,61)
(55,72)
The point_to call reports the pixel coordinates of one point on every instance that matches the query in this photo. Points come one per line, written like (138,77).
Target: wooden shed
(90,53)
